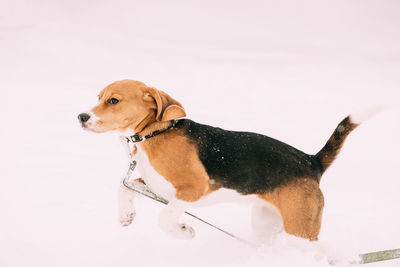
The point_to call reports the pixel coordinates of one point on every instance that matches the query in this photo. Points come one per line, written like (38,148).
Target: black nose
(83,117)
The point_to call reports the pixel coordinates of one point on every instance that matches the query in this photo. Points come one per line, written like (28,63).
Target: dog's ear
(167,107)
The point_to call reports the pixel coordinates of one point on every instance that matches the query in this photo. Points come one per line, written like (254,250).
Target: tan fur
(167,107)
(134,150)
(186,173)
(140,180)
(300,204)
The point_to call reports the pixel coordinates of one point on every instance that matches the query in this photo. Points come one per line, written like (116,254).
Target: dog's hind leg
(169,219)
(300,204)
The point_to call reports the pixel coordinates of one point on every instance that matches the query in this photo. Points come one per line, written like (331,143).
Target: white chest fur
(156,183)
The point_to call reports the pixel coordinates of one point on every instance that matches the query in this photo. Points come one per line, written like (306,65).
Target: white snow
(288,69)
(363,115)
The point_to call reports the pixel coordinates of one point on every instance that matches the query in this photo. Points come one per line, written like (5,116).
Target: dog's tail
(332,148)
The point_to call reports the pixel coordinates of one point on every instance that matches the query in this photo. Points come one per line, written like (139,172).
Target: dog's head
(131,105)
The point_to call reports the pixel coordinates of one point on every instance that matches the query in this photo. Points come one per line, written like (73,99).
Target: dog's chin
(92,128)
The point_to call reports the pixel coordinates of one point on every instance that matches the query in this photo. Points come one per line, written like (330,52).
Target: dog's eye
(112,101)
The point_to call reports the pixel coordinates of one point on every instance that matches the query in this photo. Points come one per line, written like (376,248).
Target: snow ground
(289,69)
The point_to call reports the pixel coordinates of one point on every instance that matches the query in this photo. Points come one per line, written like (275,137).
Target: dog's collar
(137,138)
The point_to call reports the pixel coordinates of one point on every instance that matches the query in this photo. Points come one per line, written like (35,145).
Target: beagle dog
(187,162)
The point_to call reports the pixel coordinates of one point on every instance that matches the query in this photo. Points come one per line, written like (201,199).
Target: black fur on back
(247,162)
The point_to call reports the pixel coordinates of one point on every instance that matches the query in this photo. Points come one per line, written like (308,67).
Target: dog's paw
(126,218)
(179,231)
(186,231)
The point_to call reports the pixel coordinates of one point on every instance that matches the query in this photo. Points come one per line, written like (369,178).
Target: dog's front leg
(126,208)
(169,219)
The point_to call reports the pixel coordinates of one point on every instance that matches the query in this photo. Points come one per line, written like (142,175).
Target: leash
(149,194)
(377,256)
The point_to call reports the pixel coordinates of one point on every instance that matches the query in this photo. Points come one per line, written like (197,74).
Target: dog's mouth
(84,126)
(92,127)
(89,127)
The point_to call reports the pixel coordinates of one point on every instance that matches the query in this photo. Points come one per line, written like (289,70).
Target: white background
(288,69)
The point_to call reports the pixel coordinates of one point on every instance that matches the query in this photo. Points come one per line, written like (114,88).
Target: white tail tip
(361,116)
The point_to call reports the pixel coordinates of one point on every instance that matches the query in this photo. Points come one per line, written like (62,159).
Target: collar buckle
(136,138)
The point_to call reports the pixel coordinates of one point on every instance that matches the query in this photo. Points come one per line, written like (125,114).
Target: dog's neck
(154,126)
(145,130)
(138,128)
(148,120)
(147,126)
